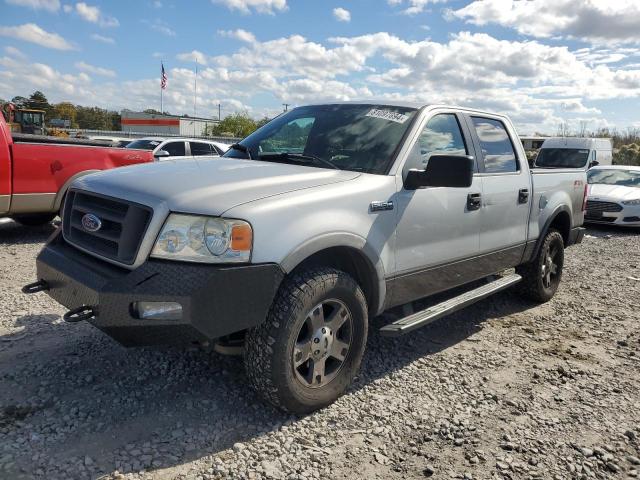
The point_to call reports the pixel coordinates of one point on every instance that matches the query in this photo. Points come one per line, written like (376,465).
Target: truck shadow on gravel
(12,232)
(110,408)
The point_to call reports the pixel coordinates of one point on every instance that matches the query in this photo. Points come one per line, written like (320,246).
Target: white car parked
(173,148)
(614,195)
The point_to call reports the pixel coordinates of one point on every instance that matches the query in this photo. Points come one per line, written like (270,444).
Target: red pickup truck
(35,172)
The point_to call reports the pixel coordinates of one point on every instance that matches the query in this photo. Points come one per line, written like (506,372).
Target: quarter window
(175,149)
(497,150)
(441,135)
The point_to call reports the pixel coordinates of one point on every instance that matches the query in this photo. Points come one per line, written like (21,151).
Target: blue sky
(541,61)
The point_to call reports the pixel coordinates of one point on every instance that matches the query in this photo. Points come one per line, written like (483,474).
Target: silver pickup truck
(327,216)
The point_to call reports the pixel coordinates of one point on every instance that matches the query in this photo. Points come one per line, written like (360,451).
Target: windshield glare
(361,138)
(144,144)
(626,178)
(562,158)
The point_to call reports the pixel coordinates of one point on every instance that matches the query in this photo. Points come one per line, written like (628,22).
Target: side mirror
(454,171)
(594,163)
(161,153)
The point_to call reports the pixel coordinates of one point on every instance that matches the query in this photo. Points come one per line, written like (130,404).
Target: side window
(175,149)
(199,149)
(442,134)
(497,150)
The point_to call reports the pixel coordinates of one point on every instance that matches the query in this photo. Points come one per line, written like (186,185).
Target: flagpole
(161,106)
(195,97)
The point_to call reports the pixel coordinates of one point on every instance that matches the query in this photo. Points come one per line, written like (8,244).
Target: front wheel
(307,352)
(541,277)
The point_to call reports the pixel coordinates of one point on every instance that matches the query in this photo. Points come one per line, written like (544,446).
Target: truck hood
(616,193)
(207,186)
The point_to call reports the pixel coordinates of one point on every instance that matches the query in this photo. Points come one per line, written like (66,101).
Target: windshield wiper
(300,156)
(242,148)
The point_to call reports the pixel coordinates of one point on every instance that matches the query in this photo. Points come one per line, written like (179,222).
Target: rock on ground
(503,389)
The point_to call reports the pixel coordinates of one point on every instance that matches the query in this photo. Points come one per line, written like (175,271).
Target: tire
(541,278)
(34,220)
(281,353)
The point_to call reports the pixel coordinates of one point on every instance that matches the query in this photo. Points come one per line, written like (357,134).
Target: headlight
(194,238)
(631,202)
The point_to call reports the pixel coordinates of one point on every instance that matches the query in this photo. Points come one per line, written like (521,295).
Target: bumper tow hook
(35,287)
(78,314)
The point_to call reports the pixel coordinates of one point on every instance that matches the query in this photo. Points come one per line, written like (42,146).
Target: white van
(572,152)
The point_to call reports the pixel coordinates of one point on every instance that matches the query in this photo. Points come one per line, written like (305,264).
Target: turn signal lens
(241,237)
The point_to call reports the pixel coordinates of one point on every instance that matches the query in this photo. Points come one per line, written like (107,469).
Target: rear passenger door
(506,195)
(200,149)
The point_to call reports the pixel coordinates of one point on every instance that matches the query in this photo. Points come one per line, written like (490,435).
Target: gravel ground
(503,389)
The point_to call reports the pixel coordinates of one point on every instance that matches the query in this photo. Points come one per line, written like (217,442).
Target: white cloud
(93,14)
(160,26)
(30,32)
(103,39)
(413,7)
(193,56)
(14,52)
(538,85)
(260,6)
(50,5)
(103,72)
(341,14)
(67,8)
(157,4)
(594,21)
(238,34)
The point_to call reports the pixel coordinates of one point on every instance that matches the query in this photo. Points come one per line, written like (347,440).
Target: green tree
(238,124)
(39,101)
(628,154)
(66,111)
(262,122)
(20,102)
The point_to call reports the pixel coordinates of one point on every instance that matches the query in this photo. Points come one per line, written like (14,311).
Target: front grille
(599,218)
(123,225)
(598,206)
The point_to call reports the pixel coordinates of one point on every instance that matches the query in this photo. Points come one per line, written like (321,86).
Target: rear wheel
(305,355)
(34,220)
(541,277)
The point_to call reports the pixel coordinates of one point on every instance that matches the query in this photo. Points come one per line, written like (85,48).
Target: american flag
(163,78)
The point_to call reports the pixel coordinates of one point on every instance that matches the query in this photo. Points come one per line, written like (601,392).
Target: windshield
(144,144)
(562,158)
(362,138)
(30,118)
(611,176)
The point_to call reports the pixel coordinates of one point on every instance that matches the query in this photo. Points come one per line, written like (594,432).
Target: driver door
(438,228)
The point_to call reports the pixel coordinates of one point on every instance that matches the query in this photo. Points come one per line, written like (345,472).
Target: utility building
(153,124)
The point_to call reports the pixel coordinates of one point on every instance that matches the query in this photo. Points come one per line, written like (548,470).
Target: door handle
(474,201)
(523,195)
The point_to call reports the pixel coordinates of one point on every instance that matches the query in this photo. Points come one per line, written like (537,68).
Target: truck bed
(29,138)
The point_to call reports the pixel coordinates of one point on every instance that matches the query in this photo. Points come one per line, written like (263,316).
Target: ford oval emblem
(91,223)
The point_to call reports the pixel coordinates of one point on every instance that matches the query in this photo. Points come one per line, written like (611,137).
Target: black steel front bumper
(216,300)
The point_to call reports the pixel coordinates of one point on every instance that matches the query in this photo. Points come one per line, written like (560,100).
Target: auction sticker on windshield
(387,115)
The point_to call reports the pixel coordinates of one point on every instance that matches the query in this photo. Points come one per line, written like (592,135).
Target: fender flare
(543,232)
(57,203)
(340,239)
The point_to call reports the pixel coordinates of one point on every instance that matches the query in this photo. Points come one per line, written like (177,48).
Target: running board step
(431,314)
